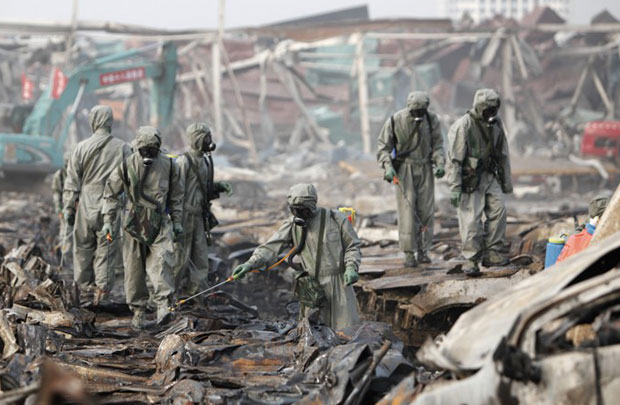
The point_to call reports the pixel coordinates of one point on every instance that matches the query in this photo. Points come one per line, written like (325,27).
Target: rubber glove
(455,198)
(440,172)
(177,229)
(107,229)
(350,276)
(69,217)
(225,186)
(506,190)
(389,174)
(241,270)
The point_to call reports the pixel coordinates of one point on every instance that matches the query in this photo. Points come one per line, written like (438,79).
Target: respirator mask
(301,212)
(418,114)
(207,144)
(148,154)
(489,115)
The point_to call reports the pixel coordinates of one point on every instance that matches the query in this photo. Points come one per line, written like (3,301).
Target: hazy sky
(175,14)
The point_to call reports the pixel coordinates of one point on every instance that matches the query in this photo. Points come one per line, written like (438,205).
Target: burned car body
(552,339)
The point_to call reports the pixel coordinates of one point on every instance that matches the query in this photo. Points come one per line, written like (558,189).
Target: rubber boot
(410,260)
(423,257)
(494,258)
(471,269)
(163,315)
(138,321)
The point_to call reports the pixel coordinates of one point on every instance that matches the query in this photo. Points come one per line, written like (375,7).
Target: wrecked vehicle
(539,342)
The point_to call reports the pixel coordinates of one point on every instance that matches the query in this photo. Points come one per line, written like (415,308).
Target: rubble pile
(220,354)
(28,217)
(274,358)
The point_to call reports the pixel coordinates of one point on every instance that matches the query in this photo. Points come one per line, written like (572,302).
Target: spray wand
(230,279)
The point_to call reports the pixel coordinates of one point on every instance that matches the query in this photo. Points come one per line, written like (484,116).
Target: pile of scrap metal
(551,339)
(28,217)
(426,301)
(54,348)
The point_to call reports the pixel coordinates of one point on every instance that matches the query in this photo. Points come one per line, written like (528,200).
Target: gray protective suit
(162,184)
(479,167)
(192,256)
(340,249)
(58,184)
(418,146)
(90,165)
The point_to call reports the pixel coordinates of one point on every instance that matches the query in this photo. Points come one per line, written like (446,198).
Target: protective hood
(598,204)
(196,133)
(304,195)
(147,136)
(483,99)
(417,100)
(100,117)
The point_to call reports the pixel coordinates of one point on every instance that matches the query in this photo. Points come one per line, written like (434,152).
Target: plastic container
(554,247)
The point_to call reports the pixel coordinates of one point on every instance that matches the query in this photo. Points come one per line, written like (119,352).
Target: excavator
(26,158)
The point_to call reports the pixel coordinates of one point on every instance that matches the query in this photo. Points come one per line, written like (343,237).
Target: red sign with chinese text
(59,82)
(27,88)
(122,76)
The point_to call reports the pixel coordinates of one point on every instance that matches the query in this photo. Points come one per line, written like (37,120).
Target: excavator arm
(39,149)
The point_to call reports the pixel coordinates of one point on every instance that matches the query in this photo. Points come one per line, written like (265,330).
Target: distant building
(480,10)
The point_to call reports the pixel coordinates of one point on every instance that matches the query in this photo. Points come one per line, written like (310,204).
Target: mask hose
(300,245)
(142,194)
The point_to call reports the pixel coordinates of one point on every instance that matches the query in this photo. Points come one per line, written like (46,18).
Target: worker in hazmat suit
(479,176)
(196,168)
(152,221)
(95,260)
(410,151)
(58,184)
(330,256)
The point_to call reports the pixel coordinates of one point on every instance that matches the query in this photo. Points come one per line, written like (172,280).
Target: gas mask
(208,145)
(300,245)
(418,114)
(301,212)
(489,115)
(148,155)
(300,222)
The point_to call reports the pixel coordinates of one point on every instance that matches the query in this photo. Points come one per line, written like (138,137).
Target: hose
(300,245)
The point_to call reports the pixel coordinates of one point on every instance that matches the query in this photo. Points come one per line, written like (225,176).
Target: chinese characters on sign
(27,88)
(59,82)
(122,76)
